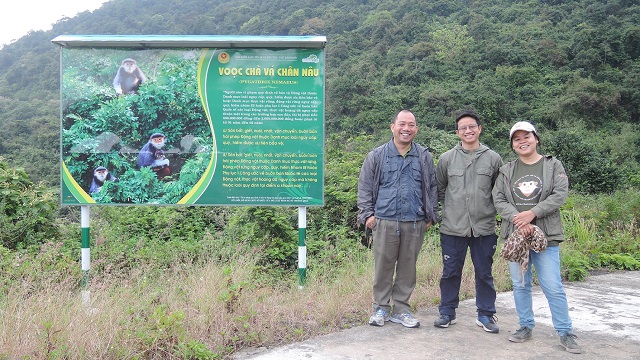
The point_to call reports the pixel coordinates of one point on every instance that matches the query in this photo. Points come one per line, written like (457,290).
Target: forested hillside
(571,67)
(204,282)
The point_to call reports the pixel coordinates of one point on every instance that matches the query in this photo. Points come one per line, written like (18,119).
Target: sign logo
(313,58)
(223,57)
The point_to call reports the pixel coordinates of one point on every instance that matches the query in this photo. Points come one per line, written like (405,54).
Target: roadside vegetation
(205,282)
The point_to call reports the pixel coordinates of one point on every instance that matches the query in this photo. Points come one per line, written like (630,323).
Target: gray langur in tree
(151,155)
(100,175)
(128,78)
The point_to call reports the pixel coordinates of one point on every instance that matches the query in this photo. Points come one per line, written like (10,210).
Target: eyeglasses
(464,128)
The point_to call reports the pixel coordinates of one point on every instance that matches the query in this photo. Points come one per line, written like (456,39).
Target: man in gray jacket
(465,176)
(398,201)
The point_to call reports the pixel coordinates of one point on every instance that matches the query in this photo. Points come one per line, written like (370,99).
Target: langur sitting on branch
(100,175)
(128,78)
(151,155)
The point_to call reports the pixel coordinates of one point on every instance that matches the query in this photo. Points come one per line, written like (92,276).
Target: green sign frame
(241,119)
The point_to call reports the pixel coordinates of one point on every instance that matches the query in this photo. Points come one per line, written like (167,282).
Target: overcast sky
(18,17)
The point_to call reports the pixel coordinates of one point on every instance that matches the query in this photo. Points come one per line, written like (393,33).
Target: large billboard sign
(192,120)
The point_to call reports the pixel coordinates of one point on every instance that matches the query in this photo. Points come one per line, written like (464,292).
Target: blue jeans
(454,252)
(547,264)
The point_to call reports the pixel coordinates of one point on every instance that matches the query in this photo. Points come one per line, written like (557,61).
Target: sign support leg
(302,248)
(85,255)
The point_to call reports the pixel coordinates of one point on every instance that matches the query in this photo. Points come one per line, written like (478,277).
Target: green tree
(588,170)
(27,210)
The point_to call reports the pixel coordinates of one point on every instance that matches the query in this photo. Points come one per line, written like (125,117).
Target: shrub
(27,210)
(589,171)
(575,265)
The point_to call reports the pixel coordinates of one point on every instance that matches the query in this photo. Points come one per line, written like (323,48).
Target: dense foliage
(567,66)
(27,210)
(571,67)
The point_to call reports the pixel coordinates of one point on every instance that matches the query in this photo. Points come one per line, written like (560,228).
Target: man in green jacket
(465,176)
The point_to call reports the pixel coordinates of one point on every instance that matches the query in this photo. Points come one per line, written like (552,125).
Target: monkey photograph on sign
(152,155)
(128,78)
(140,119)
(100,175)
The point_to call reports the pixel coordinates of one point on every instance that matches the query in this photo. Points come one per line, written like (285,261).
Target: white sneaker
(379,317)
(406,319)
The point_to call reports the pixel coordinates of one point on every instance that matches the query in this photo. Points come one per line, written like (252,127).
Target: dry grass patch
(203,311)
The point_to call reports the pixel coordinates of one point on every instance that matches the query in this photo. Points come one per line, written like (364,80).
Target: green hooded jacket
(555,190)
(465,179)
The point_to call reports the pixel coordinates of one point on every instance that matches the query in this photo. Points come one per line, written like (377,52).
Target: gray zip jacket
(465,180)
(555,190)
(369,182)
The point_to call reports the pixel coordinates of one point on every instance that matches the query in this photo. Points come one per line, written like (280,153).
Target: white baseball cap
(522,125)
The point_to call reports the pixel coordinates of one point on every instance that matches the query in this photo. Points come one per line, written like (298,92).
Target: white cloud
(19,17)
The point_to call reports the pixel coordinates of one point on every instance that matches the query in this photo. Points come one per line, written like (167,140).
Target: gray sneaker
(406,319)
(568,341)
(444,321)
(379,317)
(488,323)
(521,335)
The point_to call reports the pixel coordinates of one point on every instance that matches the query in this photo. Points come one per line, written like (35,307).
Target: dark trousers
(454,252)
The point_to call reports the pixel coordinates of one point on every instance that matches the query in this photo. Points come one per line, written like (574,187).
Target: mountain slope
(561,64)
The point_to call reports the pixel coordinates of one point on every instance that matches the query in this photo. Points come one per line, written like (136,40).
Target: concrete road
(605,310)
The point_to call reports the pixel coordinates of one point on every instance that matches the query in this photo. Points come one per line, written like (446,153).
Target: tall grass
(208,310)
(208,298)
(602,231)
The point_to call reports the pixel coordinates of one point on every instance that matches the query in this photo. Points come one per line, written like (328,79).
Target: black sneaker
(521,335)
(444,321)
(488,323)
(568,341)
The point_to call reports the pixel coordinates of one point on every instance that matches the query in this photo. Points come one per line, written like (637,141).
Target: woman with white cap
(530,191)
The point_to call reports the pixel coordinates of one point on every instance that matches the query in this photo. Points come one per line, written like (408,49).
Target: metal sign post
(302,248)
(85,254)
